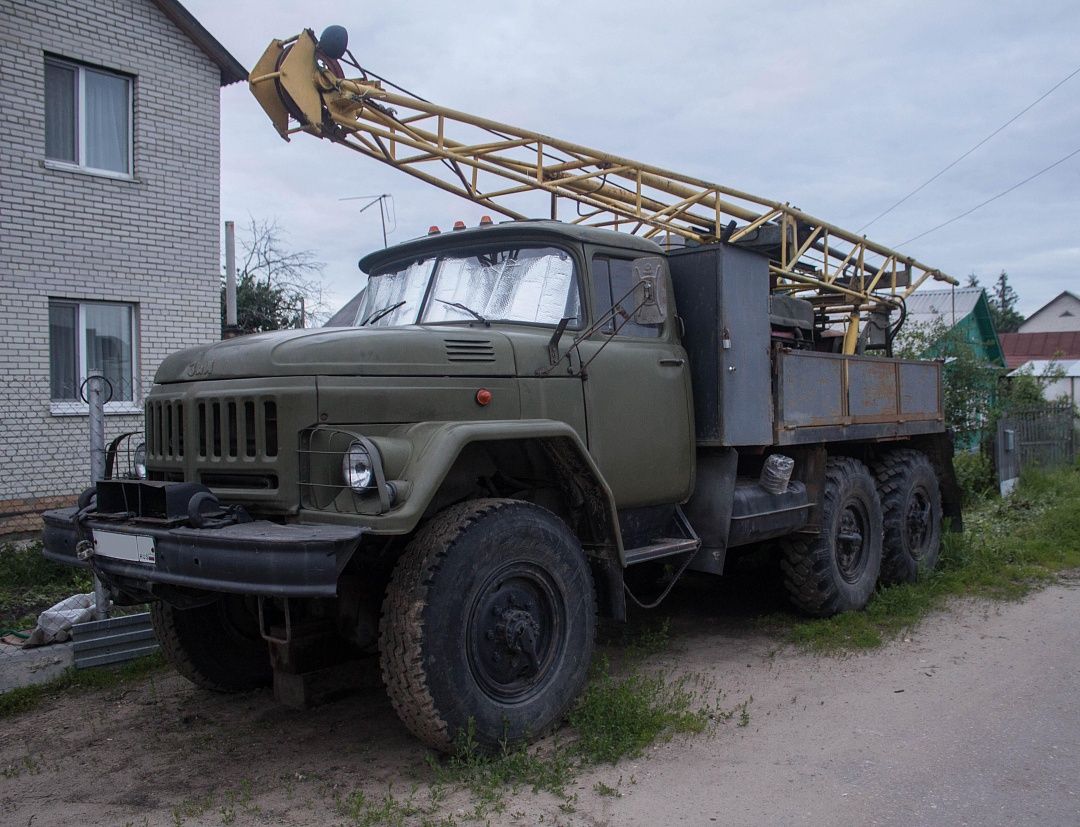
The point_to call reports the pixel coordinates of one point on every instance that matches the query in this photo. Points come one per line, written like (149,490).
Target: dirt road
(973,719)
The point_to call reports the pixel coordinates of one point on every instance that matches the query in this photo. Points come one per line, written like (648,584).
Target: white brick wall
(152,241)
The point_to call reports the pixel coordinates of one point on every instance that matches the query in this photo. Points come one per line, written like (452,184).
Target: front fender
(434,447)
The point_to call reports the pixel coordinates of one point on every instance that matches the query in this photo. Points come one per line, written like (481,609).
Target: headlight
(357,468)
(140,461)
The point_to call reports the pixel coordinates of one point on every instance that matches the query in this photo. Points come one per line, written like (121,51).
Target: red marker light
(483,397)
(433,230)
(459,225)
(485,220)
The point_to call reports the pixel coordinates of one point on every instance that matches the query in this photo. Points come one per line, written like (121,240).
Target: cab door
(638,403)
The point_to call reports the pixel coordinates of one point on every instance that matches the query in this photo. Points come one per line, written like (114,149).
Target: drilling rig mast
(301,85)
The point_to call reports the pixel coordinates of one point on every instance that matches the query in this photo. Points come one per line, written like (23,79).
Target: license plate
(134,548)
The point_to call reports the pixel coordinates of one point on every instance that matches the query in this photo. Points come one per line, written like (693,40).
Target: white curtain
(108,346)
(107,113)
(60,112)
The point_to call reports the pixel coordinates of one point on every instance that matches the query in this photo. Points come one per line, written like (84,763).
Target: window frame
(608,328)
(77,407)
(471,250)
(80,165)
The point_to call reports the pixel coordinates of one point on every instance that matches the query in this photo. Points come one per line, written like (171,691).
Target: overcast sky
(840,108)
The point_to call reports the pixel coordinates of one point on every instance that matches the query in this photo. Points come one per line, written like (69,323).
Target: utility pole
(230,281)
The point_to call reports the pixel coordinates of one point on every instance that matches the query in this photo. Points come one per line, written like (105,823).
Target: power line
(945,169)
(994,198)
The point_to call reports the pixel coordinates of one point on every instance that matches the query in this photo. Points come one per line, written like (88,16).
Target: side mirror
(650,292)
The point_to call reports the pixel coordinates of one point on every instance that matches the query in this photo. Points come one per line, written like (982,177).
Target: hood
(346,351)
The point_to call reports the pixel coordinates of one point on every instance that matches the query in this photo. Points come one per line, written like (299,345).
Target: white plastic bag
(54,624)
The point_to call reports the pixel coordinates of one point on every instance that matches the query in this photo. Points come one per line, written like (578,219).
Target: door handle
(673,362)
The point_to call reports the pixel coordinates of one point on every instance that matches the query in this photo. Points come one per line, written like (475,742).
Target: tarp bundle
(54,624)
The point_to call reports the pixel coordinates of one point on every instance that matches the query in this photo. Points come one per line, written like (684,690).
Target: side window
(613,286)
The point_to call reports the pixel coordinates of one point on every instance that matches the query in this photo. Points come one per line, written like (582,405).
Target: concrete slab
(25,667)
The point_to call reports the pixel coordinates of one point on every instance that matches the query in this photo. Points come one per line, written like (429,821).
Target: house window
(89,336)
(87,117)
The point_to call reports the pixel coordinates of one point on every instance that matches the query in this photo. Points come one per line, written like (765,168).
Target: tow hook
(84,549)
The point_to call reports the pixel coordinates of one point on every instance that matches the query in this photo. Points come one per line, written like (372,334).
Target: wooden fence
(1041,436)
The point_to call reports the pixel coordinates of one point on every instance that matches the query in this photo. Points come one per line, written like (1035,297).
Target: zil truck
(527,426)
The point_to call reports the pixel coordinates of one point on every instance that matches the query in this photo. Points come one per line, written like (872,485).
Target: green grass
(621,712)
(76,681)
(1009,547)
(30,584)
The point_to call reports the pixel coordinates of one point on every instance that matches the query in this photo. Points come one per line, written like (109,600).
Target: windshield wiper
(467,309)
(378,314)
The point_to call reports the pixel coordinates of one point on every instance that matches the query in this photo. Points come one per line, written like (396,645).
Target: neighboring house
(1067,381)
(1023,347)
(109,202)
(963,310)
(1061,314)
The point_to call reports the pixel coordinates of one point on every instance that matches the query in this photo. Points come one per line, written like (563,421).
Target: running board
(664,547)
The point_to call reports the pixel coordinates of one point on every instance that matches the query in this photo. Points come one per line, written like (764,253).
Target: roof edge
(232,71)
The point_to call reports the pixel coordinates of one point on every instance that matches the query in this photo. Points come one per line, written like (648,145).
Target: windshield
(534,285)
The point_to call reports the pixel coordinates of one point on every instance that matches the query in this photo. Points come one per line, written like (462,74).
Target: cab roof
(528,230)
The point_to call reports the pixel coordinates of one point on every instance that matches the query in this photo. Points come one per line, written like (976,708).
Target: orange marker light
(485,219)
(459,225)
(433,230)
(483,397)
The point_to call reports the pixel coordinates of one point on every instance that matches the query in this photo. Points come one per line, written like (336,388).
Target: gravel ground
(974,718)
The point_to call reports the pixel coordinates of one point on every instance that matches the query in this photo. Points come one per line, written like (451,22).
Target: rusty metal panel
(811,389)
(826,397)
(871,389)
(920,391)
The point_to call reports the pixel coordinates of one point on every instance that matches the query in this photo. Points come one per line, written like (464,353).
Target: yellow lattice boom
(491,163)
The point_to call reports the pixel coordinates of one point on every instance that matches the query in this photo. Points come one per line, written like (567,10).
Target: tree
(1003,300)
(969,384)
(275,287)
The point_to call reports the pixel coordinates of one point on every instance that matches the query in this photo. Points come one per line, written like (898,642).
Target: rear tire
(216,646)
(911,505)
(837,570)
(488,625)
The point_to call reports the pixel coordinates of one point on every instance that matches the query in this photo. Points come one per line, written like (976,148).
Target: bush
(975,475)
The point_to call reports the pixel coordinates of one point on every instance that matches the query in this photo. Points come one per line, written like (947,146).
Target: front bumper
(255,558)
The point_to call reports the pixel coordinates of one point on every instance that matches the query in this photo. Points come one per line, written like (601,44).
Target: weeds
(1009,547)
(618,717)
(29,584)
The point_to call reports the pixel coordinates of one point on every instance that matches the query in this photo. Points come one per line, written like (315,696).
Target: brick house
(109,216)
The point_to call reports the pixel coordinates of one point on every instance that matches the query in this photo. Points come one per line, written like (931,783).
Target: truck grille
(237,428)
(221,428)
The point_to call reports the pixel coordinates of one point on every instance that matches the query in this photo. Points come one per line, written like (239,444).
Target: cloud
(838,107)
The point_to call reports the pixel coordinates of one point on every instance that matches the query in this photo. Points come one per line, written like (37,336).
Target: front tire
(837,570)
(488,625)
(911,504)
(216,646)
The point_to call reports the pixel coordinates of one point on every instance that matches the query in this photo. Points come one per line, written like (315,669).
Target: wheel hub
(917,523)
(513,633)
(851,544)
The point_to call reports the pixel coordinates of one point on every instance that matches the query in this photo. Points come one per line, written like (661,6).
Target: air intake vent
(469,350)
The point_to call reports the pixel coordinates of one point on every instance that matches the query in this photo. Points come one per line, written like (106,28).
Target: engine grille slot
(469,350)
(264,482)
(165,429)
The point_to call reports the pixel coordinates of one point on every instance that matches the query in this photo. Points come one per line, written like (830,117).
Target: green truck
(526,427)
